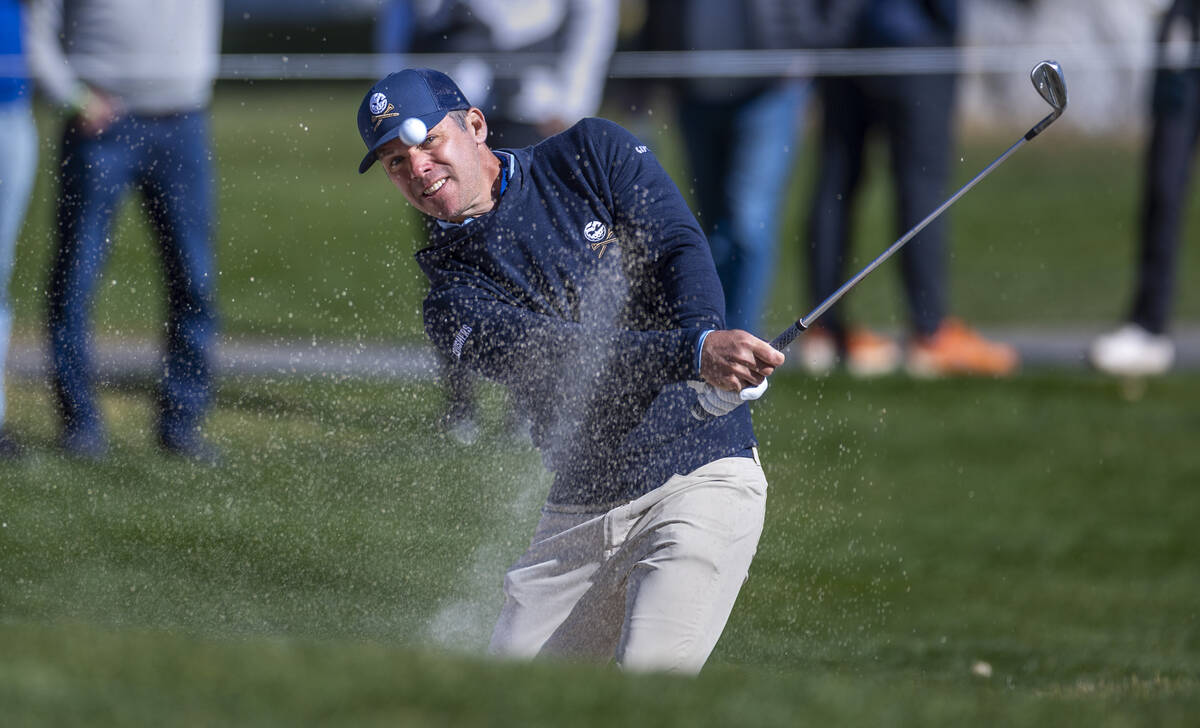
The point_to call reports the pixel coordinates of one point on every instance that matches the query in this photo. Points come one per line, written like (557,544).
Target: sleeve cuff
(700,352)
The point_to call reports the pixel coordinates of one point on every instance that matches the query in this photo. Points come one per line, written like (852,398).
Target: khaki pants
(650,583)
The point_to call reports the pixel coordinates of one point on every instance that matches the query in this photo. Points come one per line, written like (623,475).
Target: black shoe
(89,445)
(10,449)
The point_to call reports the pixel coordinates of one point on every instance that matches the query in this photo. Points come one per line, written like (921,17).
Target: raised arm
(647,201)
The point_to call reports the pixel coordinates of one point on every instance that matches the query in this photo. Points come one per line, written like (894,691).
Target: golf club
(1047,78)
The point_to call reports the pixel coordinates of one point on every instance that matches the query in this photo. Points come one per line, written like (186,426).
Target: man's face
(449,175)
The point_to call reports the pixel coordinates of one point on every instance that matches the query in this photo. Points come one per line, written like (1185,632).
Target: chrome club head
(1048,79)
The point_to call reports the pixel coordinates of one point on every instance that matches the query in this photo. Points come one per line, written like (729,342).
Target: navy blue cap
(421,92)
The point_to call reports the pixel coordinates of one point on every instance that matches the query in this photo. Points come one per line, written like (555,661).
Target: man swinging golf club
(573,273)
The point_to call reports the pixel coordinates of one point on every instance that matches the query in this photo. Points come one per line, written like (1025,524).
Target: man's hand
(733,360)
(734,365)
(97,113)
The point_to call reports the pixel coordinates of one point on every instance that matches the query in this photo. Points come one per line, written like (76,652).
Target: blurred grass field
(343,564)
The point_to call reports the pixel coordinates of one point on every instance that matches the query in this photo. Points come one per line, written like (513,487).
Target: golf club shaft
(789,335)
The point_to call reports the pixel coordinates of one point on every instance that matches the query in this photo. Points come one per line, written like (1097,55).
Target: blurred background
(307,248)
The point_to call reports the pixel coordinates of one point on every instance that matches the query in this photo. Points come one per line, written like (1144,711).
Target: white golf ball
(413,131)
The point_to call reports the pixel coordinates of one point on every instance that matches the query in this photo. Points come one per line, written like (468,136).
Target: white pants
(649,584)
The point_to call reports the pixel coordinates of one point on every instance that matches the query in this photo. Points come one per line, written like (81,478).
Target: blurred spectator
(741,134)
(538,100)
(393,31)
(529,101)
(1141,346)
(18,162)
(915,114)
(136,77)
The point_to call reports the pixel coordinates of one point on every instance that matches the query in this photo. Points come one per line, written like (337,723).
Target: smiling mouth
(433,188)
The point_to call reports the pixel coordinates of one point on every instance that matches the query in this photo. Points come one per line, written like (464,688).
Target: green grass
(342,565)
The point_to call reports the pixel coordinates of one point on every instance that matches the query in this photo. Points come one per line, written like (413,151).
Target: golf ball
(413,131)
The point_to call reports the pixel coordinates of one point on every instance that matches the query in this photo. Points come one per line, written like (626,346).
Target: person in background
(1142,346)
(393,30)
(135,77)
(742,134)
(18,165)
(524,103)
(915,113)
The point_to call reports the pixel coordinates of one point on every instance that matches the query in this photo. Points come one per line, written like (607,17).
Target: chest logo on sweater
(599,237)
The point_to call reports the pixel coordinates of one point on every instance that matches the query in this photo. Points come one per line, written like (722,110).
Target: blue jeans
(167,159)
(18,164)
(741,153)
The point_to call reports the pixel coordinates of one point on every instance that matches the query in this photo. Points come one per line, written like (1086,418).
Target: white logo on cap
(379,103)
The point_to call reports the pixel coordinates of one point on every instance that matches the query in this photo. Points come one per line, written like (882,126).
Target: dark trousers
(914,113)
(1168,164)
(167,159)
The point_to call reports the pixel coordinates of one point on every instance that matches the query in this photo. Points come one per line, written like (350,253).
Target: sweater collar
(508,165)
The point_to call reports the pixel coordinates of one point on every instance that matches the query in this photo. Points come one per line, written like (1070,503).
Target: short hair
(459,116)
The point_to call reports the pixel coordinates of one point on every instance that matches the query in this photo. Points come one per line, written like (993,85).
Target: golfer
(573,273)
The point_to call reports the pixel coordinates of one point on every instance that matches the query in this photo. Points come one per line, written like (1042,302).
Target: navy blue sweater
(585,292)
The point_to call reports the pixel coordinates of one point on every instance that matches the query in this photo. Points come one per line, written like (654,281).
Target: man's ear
(477,125)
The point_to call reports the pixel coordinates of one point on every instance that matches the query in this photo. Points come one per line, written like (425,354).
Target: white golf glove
(717,402)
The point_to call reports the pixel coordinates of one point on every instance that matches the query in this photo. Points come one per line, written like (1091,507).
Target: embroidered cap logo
(381,109)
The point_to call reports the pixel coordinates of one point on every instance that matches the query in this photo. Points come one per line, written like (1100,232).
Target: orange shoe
(956,349)
(870,355)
